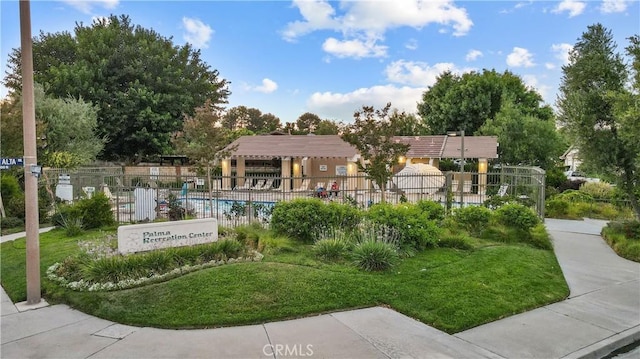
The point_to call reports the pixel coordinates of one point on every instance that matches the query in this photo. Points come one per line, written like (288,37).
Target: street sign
(6,163)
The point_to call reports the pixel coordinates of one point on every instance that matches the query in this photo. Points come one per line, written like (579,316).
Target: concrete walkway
(601,314)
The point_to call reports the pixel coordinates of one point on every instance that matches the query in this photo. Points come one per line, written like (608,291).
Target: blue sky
(330,58)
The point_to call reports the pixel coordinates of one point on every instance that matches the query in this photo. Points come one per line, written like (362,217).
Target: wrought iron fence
(240,200)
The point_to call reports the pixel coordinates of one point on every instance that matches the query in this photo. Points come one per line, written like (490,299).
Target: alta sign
(6,163)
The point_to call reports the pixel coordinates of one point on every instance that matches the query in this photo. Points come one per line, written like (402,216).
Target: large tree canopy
(524,139)
(465,102)
(599,112)
(141,83)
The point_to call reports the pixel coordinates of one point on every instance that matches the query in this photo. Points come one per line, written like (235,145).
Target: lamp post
(461,180)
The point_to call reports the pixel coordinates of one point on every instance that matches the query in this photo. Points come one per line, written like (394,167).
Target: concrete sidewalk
(601,314)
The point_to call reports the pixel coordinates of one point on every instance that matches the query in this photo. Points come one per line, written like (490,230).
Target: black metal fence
(240,200)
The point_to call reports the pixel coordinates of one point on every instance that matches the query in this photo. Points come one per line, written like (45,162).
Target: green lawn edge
(449,289)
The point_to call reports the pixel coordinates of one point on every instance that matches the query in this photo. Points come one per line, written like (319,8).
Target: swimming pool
(228,208)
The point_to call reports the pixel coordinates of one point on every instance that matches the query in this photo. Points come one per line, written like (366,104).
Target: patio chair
(258,185)
(245,186)
(304,186)
(267,185)
(279,188)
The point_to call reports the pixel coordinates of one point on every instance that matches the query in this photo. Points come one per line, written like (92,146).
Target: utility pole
(461,182)
(30,157)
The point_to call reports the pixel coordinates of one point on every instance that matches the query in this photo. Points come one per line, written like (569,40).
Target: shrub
(274,244)
(9,187)
(11,222)
(413,226)
(299,219)
(575,196)
(473,217)
(305,218)
(250,234)
(517,216)
(597,190)
(96,211)
(330,248)
(374,256)
(15,206)
(434,210)
(557,208)
(539,237)
(455,240)
(623,238)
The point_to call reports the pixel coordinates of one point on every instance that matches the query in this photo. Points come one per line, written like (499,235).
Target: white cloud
(342,105)
(520,57)
(196,33)
(532,82)
(376,16)
(412,44)
(268,86)
(367,21)
(354,48)
(549,66)
(418,73)
(86,6)
(562,52)
(574,7)
(473,55)
(611,6)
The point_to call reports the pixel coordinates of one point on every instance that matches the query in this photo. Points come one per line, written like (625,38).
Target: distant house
(293,157)
(571,158)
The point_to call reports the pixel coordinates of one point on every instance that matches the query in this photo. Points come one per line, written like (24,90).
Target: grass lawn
(450,289)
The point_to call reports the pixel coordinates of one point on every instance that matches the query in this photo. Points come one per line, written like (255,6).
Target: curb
(607,346)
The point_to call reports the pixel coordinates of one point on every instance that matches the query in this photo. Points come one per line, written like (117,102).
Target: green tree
(69,127)
(372,134)
(599,113)
(269,123)
(11,139)
(409,124)
(307,123)
(327,127)
(66,130)
(524,138)
(465,102)
(203,138)
(142,84)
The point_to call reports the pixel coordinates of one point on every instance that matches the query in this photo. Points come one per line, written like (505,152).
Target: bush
(96,211)
(374,256)
(473,217)
(330,248)
(413,226)
(557,208)
(9,187)
(305,218)
(433,210)
(517,216)
(272,245)
(623,237)
(11,222)
(597,190)
(455,240)
(539,237)
(14,207)
(575,196)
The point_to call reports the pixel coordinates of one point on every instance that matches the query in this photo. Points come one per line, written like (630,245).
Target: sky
(331,58)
